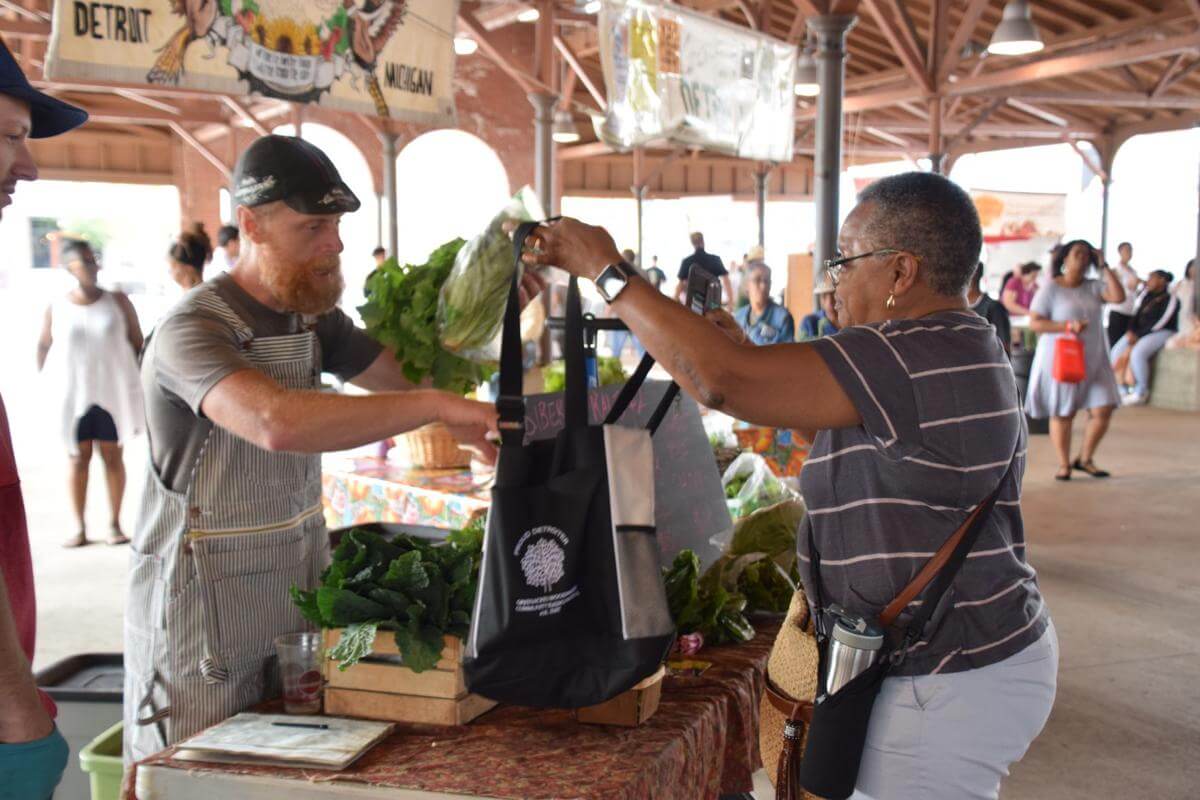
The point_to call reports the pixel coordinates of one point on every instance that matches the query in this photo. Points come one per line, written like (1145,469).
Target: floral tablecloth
(361,490)
(702,743)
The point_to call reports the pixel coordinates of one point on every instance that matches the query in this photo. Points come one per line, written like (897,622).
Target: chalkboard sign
(689,502)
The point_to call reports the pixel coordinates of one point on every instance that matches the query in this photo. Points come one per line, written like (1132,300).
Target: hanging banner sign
(390,58)
(678,75)
(1007,216)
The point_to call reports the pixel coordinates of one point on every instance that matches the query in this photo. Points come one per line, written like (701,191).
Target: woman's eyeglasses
(836,267)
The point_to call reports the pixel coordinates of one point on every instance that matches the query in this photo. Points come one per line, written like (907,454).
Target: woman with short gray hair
(917,420)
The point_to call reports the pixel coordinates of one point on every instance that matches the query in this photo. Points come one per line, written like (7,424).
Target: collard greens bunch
(419,590)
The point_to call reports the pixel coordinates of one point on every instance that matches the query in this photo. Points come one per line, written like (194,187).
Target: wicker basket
(431,447)
(793,669)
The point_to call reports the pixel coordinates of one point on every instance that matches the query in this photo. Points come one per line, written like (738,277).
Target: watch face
(611,283)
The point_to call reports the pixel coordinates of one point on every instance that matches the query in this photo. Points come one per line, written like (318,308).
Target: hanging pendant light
(1016,35)
(564,131)
(807,84)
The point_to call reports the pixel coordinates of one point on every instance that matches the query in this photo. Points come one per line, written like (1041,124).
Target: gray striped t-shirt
(941,424)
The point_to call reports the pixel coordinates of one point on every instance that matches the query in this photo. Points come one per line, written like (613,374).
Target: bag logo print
(543,559)
(543,564)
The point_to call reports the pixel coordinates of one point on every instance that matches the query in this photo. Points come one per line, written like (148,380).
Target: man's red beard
(298,289)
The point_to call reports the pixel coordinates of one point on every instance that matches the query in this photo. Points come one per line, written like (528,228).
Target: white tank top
(91,363)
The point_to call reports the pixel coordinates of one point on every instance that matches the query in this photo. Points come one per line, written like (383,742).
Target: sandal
(117,538)
(1091,469)
(1063,474)
(78,540)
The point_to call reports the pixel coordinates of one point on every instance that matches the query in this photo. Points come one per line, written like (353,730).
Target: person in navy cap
(33,753)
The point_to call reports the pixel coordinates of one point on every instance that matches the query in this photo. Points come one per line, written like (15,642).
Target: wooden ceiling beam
(1158,125)
(1090,159)
(1097,38)
(209,156)
(897,28)
(522,78)
(577,69)
(966,130)
(962,34)
(31,13)
(989,129)
(1026,107)
(134,114)
(240,109)
(1165,79)
(150,102)
(1068,65)
(1103,99)
(25,28)
(991,145)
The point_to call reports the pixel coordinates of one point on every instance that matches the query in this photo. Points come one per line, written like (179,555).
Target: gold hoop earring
(891,301)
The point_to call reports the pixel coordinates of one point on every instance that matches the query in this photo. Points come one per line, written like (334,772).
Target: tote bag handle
(511,403)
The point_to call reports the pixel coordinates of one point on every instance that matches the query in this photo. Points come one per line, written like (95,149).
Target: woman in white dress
(95,368)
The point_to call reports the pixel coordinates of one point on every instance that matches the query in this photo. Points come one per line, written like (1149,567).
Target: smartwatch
(613,279)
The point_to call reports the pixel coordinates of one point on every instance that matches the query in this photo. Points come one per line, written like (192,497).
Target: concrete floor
(1117,558)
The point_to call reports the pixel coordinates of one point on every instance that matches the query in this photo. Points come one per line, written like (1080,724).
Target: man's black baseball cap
(47,116)
(292,170)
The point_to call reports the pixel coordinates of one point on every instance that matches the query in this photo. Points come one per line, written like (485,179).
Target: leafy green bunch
(419,590)
(401,311)
(757,573)
(704,605)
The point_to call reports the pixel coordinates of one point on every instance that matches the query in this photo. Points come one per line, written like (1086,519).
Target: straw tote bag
(786,705)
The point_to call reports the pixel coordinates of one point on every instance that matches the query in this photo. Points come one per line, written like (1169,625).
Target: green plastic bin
(101,760)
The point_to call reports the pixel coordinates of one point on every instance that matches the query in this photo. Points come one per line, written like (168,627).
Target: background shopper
(88,349)
(1072,303)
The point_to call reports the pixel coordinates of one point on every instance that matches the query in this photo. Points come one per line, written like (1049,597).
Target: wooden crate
(630,708)
(380,687)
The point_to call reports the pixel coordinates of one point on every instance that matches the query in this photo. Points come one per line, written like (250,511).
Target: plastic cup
(300,672)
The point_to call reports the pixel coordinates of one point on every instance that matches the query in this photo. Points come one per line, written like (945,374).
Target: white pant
(954,736)
(1144,351)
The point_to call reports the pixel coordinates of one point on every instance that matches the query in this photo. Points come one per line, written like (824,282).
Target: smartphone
(703,291)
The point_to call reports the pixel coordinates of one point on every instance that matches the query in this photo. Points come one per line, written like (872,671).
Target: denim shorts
(31,770)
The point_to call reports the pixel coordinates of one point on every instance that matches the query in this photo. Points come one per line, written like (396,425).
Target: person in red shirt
(33,753)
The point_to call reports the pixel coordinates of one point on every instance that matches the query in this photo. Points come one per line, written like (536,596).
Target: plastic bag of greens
(750,485)
(471,304)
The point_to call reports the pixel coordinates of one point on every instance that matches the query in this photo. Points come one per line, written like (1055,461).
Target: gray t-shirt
(193,348)
(942,424)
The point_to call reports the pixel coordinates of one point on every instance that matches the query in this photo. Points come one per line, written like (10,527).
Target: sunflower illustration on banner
(393,58)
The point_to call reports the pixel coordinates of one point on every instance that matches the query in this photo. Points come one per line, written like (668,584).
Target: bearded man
(231,516)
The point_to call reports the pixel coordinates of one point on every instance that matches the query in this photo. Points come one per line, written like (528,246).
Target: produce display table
(362,490)
(703,742)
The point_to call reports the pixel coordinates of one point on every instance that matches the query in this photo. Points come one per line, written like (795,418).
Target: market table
(702,743)
(372,489)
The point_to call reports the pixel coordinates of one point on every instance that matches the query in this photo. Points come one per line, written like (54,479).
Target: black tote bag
(571,609)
